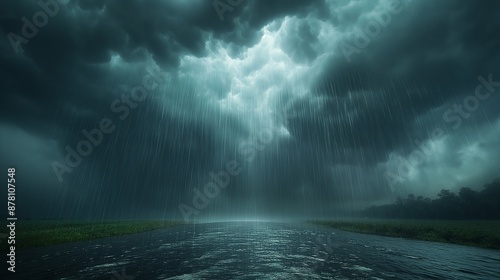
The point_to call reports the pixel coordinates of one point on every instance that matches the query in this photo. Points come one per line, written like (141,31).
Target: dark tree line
(467,204)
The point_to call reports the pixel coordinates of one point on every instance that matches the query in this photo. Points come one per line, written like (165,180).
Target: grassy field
(485,234)
(42,233)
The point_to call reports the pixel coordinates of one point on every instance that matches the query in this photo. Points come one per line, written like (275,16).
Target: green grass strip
(484,234)
(31,234)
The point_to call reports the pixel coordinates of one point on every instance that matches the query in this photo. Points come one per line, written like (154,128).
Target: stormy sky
(245,109)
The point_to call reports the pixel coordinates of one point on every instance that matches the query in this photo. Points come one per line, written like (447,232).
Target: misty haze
(242,139)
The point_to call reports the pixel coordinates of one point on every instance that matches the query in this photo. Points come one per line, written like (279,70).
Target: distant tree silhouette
(468,204)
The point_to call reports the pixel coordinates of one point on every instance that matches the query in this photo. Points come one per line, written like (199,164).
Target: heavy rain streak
(266,132)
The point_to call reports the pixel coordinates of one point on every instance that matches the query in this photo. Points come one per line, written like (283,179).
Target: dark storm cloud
(224,77)
(427,55)
(66,53)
